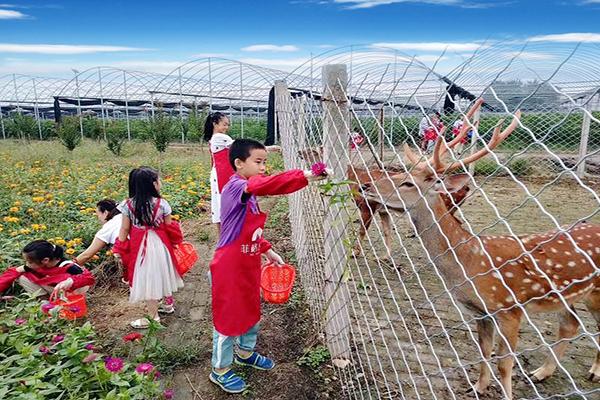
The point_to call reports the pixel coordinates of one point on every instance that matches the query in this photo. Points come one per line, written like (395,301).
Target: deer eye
(407,184)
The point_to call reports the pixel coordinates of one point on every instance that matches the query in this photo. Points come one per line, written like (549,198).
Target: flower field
(46,193)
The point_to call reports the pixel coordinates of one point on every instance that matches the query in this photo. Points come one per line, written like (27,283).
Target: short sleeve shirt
(110,230)
(163,211)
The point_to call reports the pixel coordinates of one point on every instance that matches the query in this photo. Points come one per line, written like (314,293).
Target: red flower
(89,347)
(318,169)
(20,321)
(113,364)
(168,394)
(46,307)
(132,337)
(58,338)
(44,350)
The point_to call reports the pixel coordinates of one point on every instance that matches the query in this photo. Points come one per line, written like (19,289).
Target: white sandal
(142,323)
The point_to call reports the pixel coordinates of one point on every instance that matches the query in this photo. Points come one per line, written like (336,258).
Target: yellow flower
(30,210)
(60,242)
(14,209)
(176,217)
(61,203)
(109,253)
(17,203)
(70,251)
(37,199)
(77,240)
(11,219)
(24,231)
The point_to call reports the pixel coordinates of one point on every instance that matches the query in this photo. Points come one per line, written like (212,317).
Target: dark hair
(141,192)
(40,249)
(108,205)
(211,119)
(241,148)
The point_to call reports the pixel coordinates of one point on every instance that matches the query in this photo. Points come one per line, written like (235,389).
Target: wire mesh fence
(427,295)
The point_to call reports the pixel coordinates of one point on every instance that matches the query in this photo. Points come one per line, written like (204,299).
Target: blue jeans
(222,355)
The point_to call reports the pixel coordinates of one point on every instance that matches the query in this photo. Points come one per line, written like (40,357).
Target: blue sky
(50,38)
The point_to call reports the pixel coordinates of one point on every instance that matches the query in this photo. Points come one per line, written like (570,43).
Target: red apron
(235,272)
(220,161)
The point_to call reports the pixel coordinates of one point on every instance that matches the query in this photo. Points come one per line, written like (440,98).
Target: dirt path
(286,330)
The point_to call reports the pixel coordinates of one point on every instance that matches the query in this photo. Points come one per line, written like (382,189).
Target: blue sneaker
(255,360)
(229,381)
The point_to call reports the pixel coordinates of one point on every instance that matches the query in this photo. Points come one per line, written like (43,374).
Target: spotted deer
(498,277)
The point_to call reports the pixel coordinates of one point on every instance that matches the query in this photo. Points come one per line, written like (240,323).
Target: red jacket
(50,276)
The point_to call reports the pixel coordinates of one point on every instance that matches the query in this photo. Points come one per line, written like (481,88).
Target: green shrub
(520,167)
(161,128)
(486,167)
(92,127)
(115,137)
(69,132)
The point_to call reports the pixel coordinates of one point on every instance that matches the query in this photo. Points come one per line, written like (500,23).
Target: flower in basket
(58,338)
(74,309)
(144,368)
(132,337)
(319,169)
(20,321)
(168,394)
(113,364)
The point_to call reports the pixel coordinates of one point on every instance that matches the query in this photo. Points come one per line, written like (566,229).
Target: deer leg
(386,223)
(568,327)
(509,328)
(485,332)
(593,305)
(366,216)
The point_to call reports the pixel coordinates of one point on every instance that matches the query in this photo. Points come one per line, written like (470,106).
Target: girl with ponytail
(146,242)
(215,133)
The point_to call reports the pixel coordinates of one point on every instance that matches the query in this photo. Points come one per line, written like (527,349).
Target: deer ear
(452,183)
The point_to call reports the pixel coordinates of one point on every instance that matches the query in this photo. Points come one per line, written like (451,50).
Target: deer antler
(497,138)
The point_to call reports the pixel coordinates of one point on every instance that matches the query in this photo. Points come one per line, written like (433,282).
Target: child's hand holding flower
(318,171)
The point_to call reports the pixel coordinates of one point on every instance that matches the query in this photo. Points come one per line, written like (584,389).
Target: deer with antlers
(498,277)
(362,178)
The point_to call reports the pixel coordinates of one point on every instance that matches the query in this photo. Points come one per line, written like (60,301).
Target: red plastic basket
(186,256)
(276,282)
(72,305)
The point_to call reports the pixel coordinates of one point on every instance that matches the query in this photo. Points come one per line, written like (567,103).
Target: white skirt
(155,276)
(215,197)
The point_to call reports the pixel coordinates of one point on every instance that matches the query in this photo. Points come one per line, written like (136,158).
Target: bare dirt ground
(286,330)
(412,329)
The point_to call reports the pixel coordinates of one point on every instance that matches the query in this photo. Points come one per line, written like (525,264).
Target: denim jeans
(222,355)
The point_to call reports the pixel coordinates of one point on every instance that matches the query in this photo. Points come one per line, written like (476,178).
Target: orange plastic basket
(186,256)
(72,305)
(276,282)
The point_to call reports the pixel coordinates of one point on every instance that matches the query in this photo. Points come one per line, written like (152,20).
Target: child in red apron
(215,133)
(236,265)
(148,257)
(46,271)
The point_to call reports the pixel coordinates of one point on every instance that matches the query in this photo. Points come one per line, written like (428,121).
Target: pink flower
(90,358)
(144,368)
(169,300)
(58,338)
(20,321)
(318,169)
(89,347)
(113,364)
(168,394)
(46,307)
(44,350)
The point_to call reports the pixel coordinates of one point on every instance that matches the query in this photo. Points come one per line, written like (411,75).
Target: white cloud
(11,14)
(325,46)
(430,46)
(361,4)
(62,48)
(284,64)
(206,55)
(529,55)
(63,68)
(270,47)
(568,37)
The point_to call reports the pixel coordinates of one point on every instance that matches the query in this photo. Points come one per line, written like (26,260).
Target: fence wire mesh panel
(452,255)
